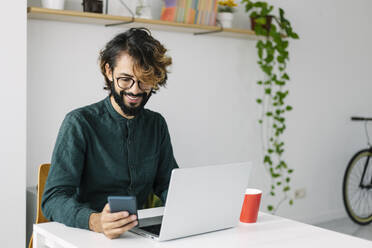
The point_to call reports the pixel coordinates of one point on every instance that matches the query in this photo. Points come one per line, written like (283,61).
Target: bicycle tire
(362,195)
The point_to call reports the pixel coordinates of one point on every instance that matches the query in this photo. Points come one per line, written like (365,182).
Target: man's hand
(112,224)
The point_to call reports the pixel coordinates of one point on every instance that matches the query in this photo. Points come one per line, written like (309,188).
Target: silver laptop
(196,198)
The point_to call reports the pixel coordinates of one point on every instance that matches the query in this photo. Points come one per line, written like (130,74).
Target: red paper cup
(251,205)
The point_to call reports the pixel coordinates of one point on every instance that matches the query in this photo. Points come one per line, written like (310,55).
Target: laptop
(200,200)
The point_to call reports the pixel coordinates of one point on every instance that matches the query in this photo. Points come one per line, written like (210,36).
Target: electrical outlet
(300,193)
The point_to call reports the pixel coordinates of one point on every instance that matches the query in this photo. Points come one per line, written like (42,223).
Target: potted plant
(273,55)
(225,12)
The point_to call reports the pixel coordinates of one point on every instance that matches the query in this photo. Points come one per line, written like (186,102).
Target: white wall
(209,103)
(330,68)
(13,124)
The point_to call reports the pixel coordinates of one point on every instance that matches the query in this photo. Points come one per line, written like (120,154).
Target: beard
(129,110)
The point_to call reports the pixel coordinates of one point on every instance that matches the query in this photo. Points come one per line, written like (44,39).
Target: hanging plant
(273,56)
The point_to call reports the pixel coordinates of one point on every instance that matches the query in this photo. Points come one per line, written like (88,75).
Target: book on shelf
(168,12)
(202,12)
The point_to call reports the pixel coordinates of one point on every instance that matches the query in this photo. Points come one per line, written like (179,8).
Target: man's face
(132,95)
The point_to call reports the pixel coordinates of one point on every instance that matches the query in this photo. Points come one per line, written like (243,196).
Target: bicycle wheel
(357,190)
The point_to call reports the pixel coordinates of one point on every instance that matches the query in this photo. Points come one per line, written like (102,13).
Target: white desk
(269,231)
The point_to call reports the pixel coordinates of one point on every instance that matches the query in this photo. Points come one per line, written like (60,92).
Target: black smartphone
(123,203)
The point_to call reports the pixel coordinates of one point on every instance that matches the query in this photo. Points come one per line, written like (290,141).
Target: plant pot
(95,6)
(267,26)
(53,4)
(225,19)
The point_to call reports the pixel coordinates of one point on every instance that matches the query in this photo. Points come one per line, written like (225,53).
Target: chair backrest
(43,174)
(42,177)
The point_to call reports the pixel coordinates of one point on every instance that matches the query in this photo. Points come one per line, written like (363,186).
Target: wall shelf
(102,19)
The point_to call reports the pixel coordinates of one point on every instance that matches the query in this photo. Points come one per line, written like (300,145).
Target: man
(115,146)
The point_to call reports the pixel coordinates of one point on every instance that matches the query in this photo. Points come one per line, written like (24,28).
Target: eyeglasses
(126,83)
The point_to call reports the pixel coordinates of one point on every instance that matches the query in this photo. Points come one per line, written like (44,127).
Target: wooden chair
(152,201)
(42,177)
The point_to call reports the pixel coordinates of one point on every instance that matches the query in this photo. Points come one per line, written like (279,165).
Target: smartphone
(123,203)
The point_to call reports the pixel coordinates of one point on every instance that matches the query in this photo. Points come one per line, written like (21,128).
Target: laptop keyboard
(154,229)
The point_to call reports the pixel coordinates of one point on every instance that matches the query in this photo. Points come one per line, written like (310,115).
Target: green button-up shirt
(100,153)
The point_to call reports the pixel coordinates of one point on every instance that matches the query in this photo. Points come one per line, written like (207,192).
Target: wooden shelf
(102,19)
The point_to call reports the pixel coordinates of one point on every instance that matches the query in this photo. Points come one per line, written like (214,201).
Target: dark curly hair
(148,54)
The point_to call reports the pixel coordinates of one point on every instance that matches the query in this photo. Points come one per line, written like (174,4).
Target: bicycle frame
(368,186)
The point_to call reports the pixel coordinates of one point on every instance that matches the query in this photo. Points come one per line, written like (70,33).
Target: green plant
(273,56)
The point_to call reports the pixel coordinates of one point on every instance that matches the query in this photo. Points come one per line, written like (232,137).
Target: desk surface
(269,231)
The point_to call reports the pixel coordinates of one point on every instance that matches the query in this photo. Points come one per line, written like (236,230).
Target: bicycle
(357,183)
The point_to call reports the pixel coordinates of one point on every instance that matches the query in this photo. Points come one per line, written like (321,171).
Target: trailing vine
(273,56)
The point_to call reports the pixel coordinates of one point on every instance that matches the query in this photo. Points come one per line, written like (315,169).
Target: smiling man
(115,146)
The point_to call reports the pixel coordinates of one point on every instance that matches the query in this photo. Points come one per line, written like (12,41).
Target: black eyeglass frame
(140,84)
